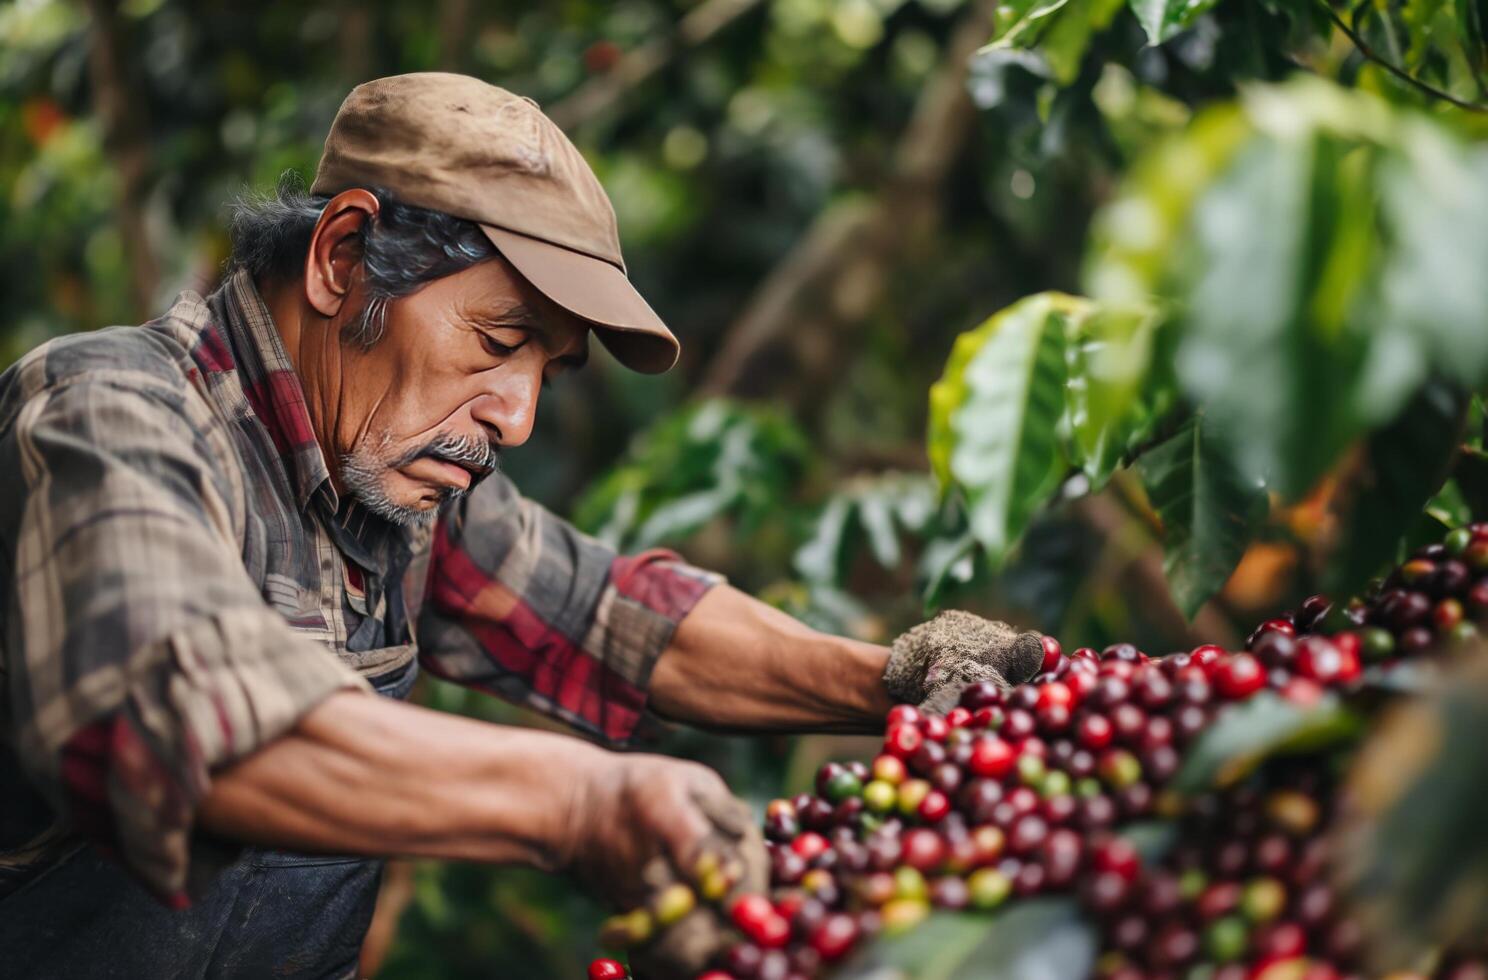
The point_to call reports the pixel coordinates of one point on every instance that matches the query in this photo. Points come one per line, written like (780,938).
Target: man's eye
(496,348)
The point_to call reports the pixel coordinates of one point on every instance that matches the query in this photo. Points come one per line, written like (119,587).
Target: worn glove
(685,948)
(931,663)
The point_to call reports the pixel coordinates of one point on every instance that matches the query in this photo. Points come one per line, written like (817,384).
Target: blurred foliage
(1285,305)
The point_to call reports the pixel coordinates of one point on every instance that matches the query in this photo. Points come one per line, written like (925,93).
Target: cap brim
(596,291)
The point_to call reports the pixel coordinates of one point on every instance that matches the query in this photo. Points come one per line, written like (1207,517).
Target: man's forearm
(738,664)
(368,775)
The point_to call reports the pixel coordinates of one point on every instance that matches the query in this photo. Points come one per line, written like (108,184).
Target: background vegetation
(1251,236)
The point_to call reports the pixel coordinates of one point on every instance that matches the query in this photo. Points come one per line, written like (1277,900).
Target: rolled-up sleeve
(523,605)
(139,654)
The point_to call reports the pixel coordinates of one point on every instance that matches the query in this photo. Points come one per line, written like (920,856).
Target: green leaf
(1247,733)
(1261,354)
(994,416)
(1209,511)
(819,558)
(1046,37)
(1032,940)
(1109,355)
(1161,19)
(1407,462)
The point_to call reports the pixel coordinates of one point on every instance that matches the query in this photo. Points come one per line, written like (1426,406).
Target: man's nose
(509,405)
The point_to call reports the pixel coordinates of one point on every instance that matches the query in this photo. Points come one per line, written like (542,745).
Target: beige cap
(455,144)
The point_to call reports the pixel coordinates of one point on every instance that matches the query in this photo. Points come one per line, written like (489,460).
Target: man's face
(420,416)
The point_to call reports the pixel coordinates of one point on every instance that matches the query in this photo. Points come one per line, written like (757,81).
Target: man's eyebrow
(521,315)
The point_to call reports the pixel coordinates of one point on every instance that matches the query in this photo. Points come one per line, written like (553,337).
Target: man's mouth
(457,461)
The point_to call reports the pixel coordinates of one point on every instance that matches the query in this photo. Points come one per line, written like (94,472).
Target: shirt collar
(273,389)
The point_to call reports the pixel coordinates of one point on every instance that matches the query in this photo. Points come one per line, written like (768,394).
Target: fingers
(681,822)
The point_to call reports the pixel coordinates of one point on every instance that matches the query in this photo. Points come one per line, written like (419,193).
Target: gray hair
(403,247)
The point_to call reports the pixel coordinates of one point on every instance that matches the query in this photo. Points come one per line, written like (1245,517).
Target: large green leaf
(1209,510)
(1406,463)
(1306,240)
(1033,940)
(1246,734)
(1161,19)
(994,416)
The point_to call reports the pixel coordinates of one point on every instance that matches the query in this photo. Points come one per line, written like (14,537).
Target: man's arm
(367,775)
(736,663)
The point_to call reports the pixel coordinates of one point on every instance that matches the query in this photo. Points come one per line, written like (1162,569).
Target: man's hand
(644,806)
(932,662)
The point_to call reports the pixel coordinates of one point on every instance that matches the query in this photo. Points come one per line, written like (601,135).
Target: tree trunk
(120,108)
(788,343)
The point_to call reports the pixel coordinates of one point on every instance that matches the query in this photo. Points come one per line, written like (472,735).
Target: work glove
(933,662)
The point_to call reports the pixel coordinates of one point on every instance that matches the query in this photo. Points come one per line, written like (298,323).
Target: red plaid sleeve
(523,605)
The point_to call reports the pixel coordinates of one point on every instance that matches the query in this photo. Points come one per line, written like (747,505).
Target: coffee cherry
(1118,856)
(1119,768)
(1105,892)
(809,846)
(923,849)
(958,717)
(834,936)
(981,694)
(672,904)
(934,806)
(1174,947)
(1281,941)
(603,969)
(1052,652)
(744,960)
(836,783)
(903,714)
(1095,813)
(890,769)
(911,794)
(992,758)
(1063,851)
(934,727)
(1225,939)
(1323,661)
(1203,656)
(902,740)
(1028,834)
(949,892)
(1238,677)
(1273,650)
(879,796)
(1018,725)
(988,888)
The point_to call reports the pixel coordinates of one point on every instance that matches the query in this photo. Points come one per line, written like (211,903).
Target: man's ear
(336,249)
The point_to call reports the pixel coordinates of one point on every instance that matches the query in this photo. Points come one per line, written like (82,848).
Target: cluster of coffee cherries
(1243,895)
(1008,795)
(1022,793)
(1435,600)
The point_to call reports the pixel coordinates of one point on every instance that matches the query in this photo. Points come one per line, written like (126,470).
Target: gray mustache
(478,454)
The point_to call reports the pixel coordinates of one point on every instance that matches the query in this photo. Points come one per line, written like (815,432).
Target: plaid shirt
(180,582)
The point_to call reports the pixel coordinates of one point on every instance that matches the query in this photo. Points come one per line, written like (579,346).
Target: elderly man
(225,529)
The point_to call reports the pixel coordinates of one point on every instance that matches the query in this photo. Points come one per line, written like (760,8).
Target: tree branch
(124,137)
(1368,52)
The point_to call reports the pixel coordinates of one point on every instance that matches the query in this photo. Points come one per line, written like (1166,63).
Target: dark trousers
(271,916)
